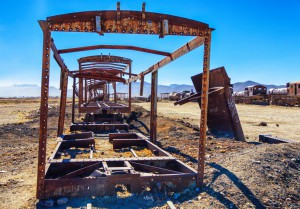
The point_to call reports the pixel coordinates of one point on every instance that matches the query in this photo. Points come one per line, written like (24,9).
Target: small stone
(263,124)
(62,201)
(49,203)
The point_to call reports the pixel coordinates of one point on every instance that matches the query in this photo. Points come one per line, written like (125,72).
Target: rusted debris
(274,140)
(223,119)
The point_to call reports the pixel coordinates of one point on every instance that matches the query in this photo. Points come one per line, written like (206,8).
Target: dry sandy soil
(251,116)
(238,174)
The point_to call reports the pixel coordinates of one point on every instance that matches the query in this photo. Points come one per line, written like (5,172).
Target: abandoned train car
(258,94)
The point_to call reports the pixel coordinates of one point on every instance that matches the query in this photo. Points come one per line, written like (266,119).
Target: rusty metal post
(129,89)
(153,116)
(115,91)
(142,86)
(63,102)
(85,90)
(204,104)
(108,96)
(73,100)
(40,193)
(80,90)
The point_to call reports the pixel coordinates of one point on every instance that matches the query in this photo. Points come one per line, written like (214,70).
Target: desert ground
(237,174)
(281,121)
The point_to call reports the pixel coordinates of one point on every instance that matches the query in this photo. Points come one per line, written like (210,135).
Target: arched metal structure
(97,72)
(119,22)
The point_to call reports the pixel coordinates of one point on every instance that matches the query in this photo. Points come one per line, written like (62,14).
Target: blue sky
(255,40)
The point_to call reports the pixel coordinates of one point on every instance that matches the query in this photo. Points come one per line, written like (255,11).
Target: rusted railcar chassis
(71,177)
(100,176)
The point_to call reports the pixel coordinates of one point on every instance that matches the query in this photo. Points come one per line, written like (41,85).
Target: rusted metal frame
(106,185)
(142,86)
(109,67)
(204,107)
(83,143)
(80,89)
(113,136)
(103,59)
(55,151)
(81,171)
(97,85)
(133,153)
(129,88)
(115,91)
(127,22)
(193,44)
(112,79)
(62,161)
(153,115)
(40,193)
(73,100)
(83,135)
(83,65)
(99,127)
(85,90)
(121,143)
(188,99)
(154,148)
(134,48)
(101,70)
(154,168)
(63,102)
(107,92)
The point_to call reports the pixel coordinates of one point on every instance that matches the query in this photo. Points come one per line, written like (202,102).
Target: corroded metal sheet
(223,119)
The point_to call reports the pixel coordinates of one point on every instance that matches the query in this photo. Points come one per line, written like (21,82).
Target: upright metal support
(80,90)
(108,92)
(153,116)
(40,193)
(142,86)
(85,90)
(115,91)
(73,100)
(204,102)
(129,89)
(63,102)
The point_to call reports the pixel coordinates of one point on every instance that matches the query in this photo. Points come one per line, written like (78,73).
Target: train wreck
(87,171)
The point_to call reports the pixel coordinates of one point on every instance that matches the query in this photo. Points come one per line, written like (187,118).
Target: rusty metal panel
(223,120)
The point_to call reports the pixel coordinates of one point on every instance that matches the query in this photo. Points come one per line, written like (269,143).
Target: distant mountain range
(29,90)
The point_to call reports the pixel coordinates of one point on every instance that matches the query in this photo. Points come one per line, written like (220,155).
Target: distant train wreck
(258,94)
